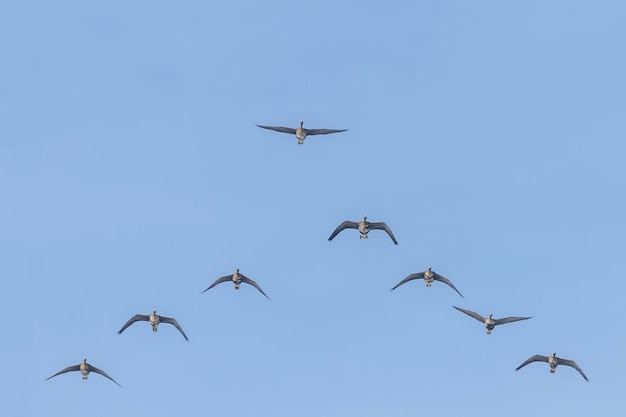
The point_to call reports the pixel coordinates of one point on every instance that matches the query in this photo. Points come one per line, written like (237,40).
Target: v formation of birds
(364,227)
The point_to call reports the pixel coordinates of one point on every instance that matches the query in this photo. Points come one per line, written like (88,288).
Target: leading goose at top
(154,319)
(237,278)
(490,322)
(364,228)
(429,276)
(301,133)
(84,369)
(553,361)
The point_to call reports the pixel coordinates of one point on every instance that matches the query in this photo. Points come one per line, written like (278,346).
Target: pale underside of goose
(490,322)
(84,368)
(428,276)
(237,278)
(553,361)
(302,133)
(154,319)
(364,228)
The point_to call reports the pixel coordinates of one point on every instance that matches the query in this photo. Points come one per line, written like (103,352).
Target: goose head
(85,359)
(491,316)
(365,217)
(301,123)
(429,268)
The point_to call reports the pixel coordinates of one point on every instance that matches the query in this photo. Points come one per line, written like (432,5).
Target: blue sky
(488,135)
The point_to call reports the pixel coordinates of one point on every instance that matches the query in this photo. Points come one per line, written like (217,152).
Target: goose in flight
(84,369)
(154,319)
(490,322)
(429,276)
(237,278)
(301,133)
(364,228)
(553,361)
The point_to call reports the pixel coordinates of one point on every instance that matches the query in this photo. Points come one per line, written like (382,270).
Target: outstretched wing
(280,129)
(68,369)
(175,323)
(510,320)
(345,225)
(383,226)
(219,281)
(536,358)
(136,317)
(101,372)
(574,365)
(471,314)
(446,281)
(419,275)
(322,131)
(253,283)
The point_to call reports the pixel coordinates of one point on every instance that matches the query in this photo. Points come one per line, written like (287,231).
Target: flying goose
(301,133)
(429,276)
(237,278)
(154,319)
(84,369)
(490,322)
(364,228)
(553,361)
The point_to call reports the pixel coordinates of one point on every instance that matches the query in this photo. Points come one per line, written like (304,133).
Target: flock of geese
(364,227)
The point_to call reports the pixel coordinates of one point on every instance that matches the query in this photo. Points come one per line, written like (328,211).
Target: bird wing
(471,314)
(136,317)
(446,281)
(101,372)
(345,225)
(253,283)
(175,323)
(279,129)
(322,131)
(419,275)
(509,320)
(219,281)
(383,226)
(574,365)
(536,358)
(68,369)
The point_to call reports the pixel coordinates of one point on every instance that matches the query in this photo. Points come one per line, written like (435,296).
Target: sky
(488,135)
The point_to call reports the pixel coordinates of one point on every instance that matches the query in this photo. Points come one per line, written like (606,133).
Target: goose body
(429,276)
(300,132)
(364,227)
(489,322)
(237,278)
(154,319)
(554,361)
(84,368)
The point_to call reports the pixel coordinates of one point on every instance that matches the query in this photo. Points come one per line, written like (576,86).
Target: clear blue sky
(489,135)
